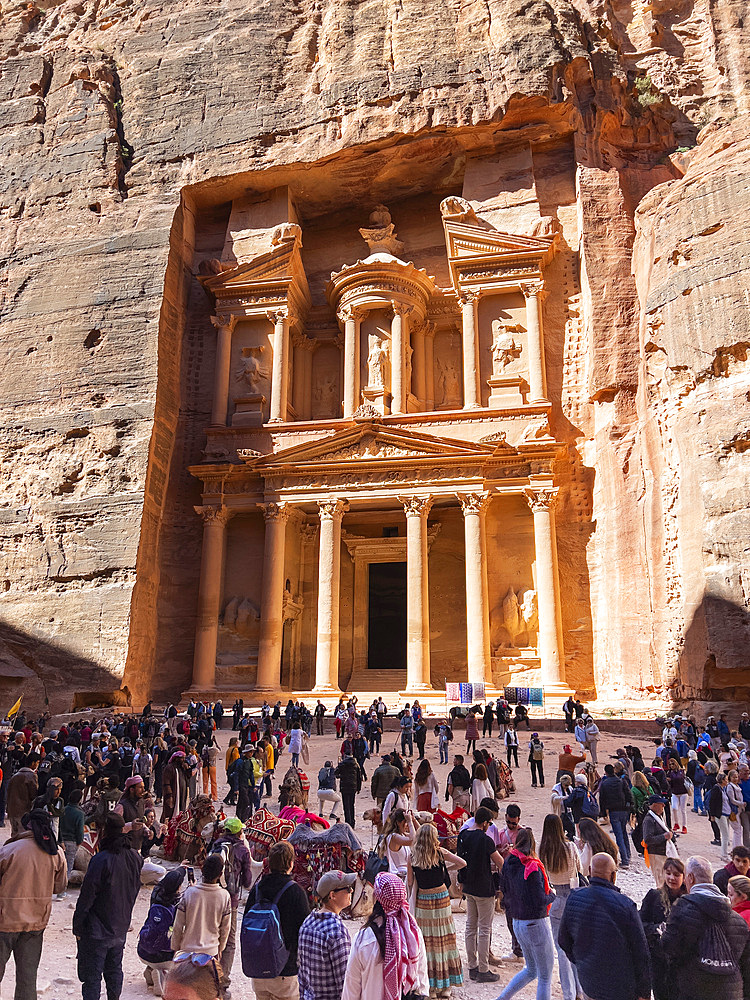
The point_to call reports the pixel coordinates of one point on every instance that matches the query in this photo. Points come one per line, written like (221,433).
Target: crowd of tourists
(94,786)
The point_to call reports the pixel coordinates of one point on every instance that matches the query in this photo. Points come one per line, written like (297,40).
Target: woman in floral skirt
(427,872)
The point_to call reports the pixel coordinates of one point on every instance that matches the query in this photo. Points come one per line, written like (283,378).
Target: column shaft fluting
(272,600)
(221,373)
(551,652)
(280,367)
(474,506)
(209,596)
(535,339)
(329,582)
(417,595)
(472,398)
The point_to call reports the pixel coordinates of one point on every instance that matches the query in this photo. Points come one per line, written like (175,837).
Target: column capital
(278,315)
(541,498)
(401,308)
(529,289)
(344,313)
(474,503)
(330,509)
(417,506)
(467,295)
(224,320)
(275,511)
(308,532)
(213,515)
(429,330)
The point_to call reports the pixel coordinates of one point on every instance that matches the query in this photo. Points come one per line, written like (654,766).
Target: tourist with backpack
(536,760)
(204,913)
(324,941)
(327,789)
(154,945)
(706,943)
(238,875)
(275,911)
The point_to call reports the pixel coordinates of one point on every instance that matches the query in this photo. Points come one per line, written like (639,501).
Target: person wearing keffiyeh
(528,897)
(388,958)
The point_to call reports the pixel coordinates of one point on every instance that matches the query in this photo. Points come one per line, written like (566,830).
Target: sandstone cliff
(126,129)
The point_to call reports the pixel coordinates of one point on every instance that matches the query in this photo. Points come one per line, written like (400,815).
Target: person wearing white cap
(324,941)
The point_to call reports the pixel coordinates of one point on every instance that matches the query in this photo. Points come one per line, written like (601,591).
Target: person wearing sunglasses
(324,941)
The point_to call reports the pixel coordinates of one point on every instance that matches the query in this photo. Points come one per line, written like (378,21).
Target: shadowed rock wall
(126,130)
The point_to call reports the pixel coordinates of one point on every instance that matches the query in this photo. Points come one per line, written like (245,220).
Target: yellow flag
(14,710)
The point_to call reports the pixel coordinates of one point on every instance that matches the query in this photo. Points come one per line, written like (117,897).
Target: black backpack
(715,955)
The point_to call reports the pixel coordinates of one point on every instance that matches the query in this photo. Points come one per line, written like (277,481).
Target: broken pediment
(269,280)
(491,260)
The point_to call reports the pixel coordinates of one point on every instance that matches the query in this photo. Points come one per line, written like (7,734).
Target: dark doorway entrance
(386,647)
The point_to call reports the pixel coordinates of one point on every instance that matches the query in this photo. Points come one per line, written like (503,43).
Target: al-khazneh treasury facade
(379,486)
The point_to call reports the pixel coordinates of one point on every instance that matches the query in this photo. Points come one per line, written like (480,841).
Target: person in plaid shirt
(324,941)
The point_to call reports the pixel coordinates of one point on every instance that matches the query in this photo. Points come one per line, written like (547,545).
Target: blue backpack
(153,938)
(262,947)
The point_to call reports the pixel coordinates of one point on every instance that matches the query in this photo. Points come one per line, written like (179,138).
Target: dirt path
(57,971)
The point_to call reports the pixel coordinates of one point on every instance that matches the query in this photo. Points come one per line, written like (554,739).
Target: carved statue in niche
(249,370)
(324,395)
(505,348)
(376,362)
(449,383)
(519,621)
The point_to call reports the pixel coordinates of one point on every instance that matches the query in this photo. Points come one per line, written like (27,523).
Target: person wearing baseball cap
(238,876)
(324,941)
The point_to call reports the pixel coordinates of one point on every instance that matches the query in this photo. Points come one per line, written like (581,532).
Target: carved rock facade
(133,185)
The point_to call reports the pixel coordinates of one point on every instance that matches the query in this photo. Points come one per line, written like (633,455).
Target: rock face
(130,135)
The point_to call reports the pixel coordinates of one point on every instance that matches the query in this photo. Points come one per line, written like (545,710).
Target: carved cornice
(213,515)
(541,498)
(474,503)
(333,508)
(417,506)
(275,511)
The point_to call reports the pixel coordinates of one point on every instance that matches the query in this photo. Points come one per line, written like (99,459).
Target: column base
(412,690)
(326,689)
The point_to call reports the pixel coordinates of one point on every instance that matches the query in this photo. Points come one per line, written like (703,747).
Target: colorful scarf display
(401,937)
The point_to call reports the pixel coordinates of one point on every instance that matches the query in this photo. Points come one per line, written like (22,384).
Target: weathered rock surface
(126,129)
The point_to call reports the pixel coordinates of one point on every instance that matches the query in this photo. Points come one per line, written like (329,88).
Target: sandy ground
(57,970)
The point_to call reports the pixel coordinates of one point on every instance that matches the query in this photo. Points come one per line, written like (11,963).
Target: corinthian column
(429,366)
(417,595)
(209,595)
(329,574)
(351,368)
(474,507)
(399,339)
(542,501)
(533,292)
(280,369)
(224,327)
(468,301)
(272,600)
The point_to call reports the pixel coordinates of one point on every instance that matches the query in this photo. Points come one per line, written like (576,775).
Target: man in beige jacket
(204,913)
(32,868)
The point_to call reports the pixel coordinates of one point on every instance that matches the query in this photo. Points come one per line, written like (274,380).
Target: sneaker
(676,828)
(684,829)
(693,810)
(487,977)
(474,974)
(61,895)
(716,843)
(494,960)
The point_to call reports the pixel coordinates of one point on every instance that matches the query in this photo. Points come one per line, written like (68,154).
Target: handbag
(374,865)
(583,880)
(446,874)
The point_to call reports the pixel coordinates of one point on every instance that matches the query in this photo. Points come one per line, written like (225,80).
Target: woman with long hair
(678,788)
(388,959)
(426,795)
(527,895)
(593,840)
(427,868)
(472,732)
(563,865)
(480,787)
(396,840)
(655,909)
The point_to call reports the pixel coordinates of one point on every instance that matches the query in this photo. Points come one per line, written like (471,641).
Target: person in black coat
(104,909)
(349,774)
(655,909)
(684,940)
(603,937)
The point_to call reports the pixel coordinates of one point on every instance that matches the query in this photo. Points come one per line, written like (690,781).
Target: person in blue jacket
(602,935)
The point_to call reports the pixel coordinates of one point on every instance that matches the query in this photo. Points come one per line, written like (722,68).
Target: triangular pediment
(371,442)
(467,242)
